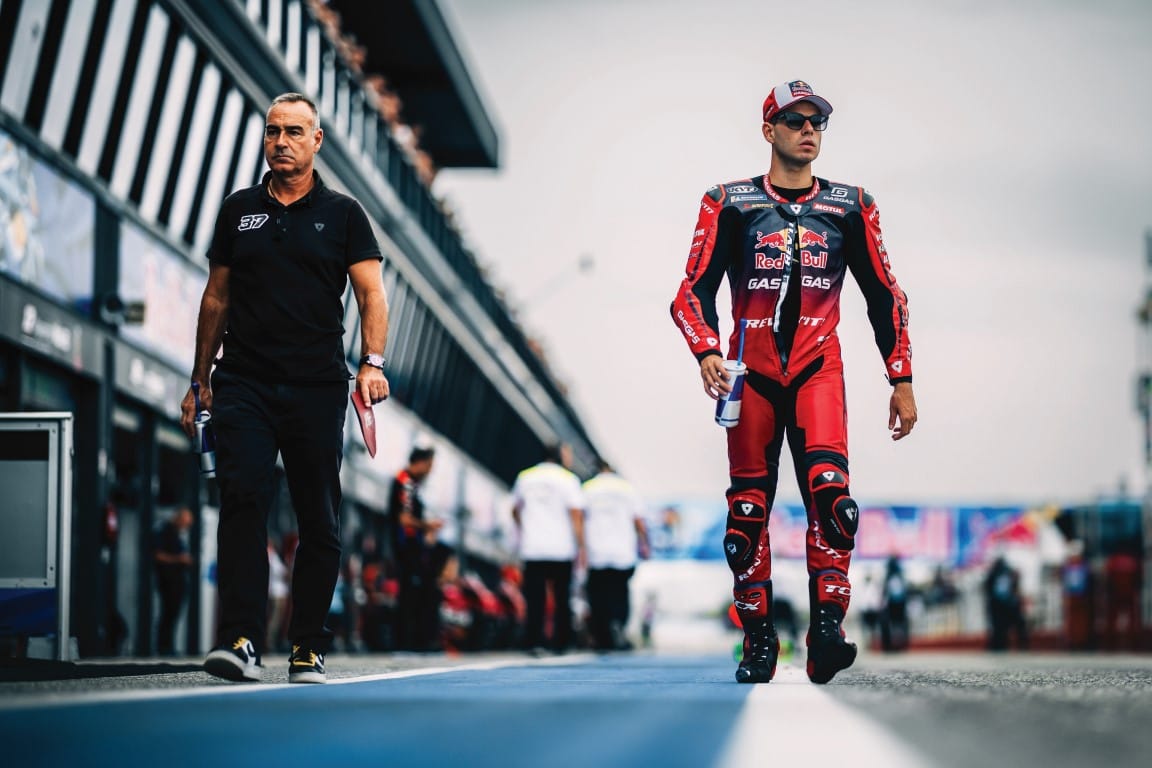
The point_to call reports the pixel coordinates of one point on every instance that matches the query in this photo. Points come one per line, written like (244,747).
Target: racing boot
(761,644)
(828,651)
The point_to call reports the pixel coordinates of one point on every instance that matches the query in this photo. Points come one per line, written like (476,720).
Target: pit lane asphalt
(944,709)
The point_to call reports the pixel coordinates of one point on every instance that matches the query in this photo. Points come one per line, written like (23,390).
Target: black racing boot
(761,645)
(761,649)
(828,651)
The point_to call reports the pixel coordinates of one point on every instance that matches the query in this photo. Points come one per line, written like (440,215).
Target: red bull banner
(954,535)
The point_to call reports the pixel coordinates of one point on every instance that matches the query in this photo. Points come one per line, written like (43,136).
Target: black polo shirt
(288,270)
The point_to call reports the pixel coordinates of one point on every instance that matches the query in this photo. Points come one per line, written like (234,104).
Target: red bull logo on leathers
(779,240)
(808,237)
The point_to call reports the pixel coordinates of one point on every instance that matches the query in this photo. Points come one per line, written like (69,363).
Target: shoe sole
(840,659)
(225,665)
(307,677)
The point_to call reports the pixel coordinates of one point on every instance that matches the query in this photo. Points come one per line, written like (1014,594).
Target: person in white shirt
(616,538)
(547,508)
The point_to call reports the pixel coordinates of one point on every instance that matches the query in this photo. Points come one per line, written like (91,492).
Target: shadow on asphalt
(37,670)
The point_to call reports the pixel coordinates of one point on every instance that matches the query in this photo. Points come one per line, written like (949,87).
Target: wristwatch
(376,361)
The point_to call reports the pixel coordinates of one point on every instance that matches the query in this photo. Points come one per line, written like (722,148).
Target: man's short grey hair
(292,98)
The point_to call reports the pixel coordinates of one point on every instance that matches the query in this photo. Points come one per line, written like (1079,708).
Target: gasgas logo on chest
(775,283)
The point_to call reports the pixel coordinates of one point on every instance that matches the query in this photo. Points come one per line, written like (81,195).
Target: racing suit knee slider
(747,521)
(838,512)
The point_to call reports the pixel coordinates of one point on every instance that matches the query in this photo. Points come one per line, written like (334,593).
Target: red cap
(787,94)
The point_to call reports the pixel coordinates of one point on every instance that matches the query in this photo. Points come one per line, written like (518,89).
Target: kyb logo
(253,221)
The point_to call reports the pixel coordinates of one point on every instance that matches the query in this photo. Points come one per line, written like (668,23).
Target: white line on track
(59,699)
(791,721)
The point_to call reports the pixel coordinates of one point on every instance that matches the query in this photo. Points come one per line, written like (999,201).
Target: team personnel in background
(1005,606)
(415,554)
(173,561)
(281,256)
(894,629)
(785,240)
(547,508)
(616,537)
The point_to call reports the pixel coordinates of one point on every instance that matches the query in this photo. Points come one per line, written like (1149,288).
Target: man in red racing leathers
(785,240)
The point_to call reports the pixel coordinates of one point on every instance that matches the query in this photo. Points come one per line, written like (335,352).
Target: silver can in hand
(206,443)
(728,406)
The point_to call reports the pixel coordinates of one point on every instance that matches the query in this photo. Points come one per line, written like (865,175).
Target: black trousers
(303,423)
(1005,618)
(172,591)
(608,603)
(538,574)
(418,569)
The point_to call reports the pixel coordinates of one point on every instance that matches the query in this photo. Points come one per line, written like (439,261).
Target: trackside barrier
(36,515)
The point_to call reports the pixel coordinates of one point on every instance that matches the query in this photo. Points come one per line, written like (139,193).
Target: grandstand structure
(123,124)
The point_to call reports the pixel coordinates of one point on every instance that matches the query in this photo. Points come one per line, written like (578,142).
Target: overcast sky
(1007,145)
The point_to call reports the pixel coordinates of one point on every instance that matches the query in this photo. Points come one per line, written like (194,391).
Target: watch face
(375,360)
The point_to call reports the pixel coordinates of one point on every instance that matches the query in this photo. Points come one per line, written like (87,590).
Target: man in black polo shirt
(281,256)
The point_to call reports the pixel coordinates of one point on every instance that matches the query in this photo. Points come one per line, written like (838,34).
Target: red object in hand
(367,421)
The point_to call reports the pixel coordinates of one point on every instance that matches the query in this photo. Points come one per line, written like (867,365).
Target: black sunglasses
(795,120)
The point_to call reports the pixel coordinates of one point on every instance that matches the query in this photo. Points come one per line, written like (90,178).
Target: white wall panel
(251,148)
(24,57)
(107,81)
(65,77)
(139,103)
(195,150)
(168,130)
(214,189)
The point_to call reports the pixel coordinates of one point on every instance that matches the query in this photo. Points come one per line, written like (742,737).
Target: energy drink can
(206,443)
(728,406)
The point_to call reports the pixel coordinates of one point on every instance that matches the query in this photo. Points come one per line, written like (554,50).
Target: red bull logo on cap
(800,88)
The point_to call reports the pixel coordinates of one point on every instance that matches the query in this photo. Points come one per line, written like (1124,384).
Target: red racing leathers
(785,262)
